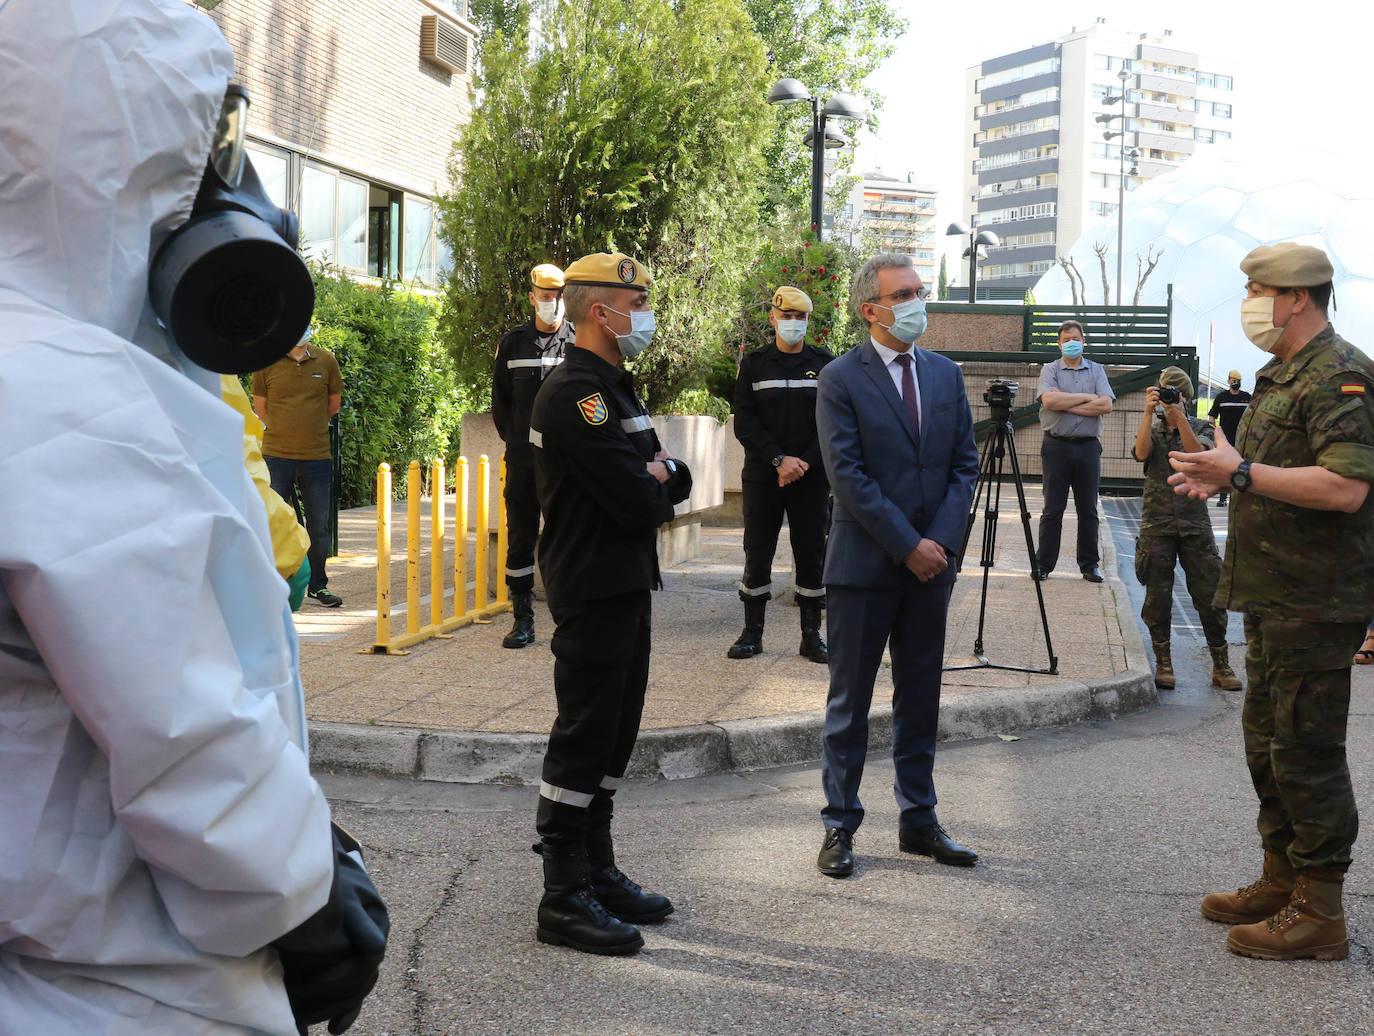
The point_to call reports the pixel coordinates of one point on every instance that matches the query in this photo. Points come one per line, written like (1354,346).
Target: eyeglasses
(904,295)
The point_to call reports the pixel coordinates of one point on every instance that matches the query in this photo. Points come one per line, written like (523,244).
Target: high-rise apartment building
(1038,171)
(893,215)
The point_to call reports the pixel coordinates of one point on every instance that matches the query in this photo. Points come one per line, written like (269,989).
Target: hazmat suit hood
(161,825)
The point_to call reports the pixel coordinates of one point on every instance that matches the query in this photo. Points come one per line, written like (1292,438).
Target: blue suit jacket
(887,498)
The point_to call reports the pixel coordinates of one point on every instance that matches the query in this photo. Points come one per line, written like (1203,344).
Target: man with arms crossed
(896,436)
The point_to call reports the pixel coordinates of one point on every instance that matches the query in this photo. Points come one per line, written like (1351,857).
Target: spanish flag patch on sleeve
(1352,388)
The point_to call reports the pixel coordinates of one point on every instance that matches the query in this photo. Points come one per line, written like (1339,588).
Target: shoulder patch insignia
(593,409)
(1352,389)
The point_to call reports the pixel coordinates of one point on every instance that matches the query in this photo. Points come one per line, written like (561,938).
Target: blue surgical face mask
(908,320)
(642,328)
(791,331)
(1072,349)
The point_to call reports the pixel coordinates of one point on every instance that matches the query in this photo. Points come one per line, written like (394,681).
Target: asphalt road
(1097,842)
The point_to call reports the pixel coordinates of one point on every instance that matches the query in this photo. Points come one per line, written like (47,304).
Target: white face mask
(791,331)
(1257,321)
(549,313)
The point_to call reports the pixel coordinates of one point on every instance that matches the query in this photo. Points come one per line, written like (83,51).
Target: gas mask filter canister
(228,284)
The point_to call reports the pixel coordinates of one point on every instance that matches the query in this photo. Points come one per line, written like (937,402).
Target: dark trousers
(804,504)
(1297,700)
(910,621)
(312,478)
(522,524)
(600,671)
(1065,466)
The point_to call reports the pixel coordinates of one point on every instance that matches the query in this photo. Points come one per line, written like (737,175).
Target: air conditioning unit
(443,44)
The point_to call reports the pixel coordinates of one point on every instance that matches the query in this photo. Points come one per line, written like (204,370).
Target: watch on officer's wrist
(1240,478)
(777,461)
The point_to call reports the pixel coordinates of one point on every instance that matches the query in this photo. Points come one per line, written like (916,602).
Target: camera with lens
(1000,393)
(1168,394)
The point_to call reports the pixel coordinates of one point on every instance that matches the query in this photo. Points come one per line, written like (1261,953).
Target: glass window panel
(271,169)
(317,213)
(419,240)
(352,224)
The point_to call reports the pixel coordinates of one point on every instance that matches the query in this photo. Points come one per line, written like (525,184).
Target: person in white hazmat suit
(167,864)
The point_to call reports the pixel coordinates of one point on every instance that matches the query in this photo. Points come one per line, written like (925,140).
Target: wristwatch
(671,465)
(777,461)
(1240,478)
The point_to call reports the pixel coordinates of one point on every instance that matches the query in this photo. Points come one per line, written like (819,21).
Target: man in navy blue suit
(896,436)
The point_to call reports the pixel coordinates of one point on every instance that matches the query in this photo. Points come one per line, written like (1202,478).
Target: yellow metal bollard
(502,593)
(483,572)
(460,540)
(413,548)
(436,543)
(383,642)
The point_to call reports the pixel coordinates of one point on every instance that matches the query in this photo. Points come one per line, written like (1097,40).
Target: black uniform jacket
(602,508)
(521,367)
(775,409)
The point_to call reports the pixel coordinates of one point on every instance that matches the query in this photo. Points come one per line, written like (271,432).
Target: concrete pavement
(467,710)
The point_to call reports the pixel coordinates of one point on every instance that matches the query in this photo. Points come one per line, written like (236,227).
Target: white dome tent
(1207,214)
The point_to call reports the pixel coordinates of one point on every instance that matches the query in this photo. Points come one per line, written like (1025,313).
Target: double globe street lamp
(839,106)
(978,242)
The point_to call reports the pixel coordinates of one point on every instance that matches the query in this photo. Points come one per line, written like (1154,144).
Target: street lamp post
(976,239)
(840,106)
(1109,100)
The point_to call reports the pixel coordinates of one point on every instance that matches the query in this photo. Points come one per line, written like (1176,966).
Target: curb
(677,753)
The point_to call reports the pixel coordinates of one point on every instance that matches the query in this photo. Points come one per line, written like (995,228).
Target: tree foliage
(629,125)
(830,46)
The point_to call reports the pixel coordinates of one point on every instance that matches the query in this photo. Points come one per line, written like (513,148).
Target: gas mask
(228,284)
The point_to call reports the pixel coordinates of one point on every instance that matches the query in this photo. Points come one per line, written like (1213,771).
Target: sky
(1298,71)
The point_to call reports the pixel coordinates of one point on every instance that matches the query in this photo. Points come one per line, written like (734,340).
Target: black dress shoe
(1042,574)
(1093,575)
(932,841)
(836,859)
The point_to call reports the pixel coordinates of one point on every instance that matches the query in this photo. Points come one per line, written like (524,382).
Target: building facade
(1038,171)
(355,105)
(893,215)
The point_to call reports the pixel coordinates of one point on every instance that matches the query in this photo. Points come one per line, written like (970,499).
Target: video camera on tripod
(1000,393)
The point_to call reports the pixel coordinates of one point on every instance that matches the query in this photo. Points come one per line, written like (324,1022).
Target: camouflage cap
(608,270)
(1176,377)
(546,275)
(788,297)
(1288,265)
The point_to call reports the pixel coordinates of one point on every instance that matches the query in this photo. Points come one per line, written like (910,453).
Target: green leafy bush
(401,401)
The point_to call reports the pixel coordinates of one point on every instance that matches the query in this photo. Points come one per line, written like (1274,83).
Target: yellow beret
(788,297)
(1176,377)
(1287,265)
(546,275)
(608,270)
(1233,374)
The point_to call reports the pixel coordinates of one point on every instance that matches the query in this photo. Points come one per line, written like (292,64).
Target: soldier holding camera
(1176,528)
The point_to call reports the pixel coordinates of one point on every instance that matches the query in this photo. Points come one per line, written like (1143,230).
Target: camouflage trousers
(1155,554)
(1297,697)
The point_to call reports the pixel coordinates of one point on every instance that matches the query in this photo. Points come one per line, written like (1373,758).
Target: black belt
(1072,438)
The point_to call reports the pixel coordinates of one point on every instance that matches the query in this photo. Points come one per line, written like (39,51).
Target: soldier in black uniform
(605,486)
(526,356)
(775,420)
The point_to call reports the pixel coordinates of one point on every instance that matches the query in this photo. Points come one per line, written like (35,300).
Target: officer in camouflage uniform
(1176,528)
(1300,566)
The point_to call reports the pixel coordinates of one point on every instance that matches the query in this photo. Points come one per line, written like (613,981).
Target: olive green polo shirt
(1315,408)
(297,393)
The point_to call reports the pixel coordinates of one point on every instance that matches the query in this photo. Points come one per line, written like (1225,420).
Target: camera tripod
(1000,444)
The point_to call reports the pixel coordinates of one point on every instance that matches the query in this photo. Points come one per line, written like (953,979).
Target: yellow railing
(460,615)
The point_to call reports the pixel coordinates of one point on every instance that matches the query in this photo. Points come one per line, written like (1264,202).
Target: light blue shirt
(1086,377)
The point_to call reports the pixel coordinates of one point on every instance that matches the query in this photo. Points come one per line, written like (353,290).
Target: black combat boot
(569,914)
(522,631)
(812,643)
(617,893)
(750,642)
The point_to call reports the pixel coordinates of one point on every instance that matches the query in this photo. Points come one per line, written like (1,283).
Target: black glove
(679,482)
(331,961)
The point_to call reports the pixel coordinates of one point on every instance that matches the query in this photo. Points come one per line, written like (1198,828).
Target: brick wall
(343,81)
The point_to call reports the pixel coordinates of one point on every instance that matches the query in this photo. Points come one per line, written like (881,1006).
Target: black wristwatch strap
(1240,478)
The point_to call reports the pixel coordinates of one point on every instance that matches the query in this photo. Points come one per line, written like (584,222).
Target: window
(317,212)
(419,234)
(1020,212)
(1012,75)
(272,165)
(334,217)
(1017,129)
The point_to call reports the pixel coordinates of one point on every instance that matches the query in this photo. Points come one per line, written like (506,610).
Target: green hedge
(401,400)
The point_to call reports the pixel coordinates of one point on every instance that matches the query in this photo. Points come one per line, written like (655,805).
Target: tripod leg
(1030,550)
(980,487)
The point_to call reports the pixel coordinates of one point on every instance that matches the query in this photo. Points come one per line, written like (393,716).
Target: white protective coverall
(158,822)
